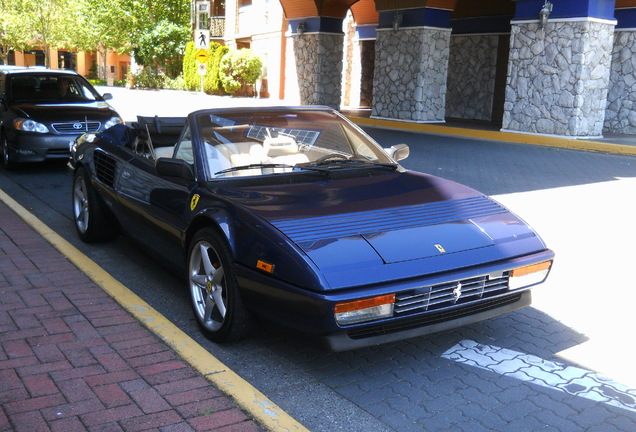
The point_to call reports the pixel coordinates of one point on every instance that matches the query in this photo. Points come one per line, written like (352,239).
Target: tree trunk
(4,54)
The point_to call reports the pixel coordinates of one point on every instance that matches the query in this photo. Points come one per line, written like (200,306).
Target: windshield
(273,142)
(51,88)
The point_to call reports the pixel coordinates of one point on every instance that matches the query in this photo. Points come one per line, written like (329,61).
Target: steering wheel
(330,156)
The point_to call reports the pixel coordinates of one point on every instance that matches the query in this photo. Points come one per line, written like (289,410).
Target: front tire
(91,220)
(7,160)
(214,291)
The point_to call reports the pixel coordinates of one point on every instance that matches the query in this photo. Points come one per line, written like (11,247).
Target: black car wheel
(6,155)
(90,219)
(216,300)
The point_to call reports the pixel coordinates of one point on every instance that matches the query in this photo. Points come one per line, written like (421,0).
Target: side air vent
(105,167)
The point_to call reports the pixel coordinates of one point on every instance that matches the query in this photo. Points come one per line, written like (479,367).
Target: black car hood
(48,113)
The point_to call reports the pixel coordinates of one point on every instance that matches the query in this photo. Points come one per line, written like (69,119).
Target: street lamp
(301,28)
(546,10)
(397,21)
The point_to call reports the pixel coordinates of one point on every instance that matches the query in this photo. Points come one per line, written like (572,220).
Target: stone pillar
(411,67)
(471,76)
(620,116)
(558,77)
(367,66)
(319,68)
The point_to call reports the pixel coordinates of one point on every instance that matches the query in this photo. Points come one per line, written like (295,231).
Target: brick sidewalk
(71,359)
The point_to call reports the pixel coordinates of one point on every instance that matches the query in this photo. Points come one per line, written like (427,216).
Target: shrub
(174,84)
(97,82)
(211,81)
(149,79)
(238,68)
(190,74)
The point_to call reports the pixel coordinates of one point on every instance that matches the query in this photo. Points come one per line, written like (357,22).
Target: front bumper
(427,324)
(430,304)
(34,147)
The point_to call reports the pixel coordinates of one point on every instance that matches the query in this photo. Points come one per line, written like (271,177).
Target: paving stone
(71,359)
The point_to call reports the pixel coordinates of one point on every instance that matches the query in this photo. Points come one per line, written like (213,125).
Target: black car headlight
(27,125)
(112,122)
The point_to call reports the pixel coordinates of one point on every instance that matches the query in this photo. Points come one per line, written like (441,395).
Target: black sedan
(42,111)
(297,215)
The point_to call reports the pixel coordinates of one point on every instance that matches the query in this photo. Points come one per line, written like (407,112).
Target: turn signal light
(365,310)
(265,266)
(529,275)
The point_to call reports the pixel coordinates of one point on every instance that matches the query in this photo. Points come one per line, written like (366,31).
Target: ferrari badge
(194,202)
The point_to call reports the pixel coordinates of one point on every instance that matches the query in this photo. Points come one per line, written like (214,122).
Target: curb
(264,411)
(518,138)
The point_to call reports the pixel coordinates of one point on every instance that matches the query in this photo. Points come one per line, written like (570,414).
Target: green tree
(153,31)
(13,28)
(41,23)
(162,48)
(159,33)
(102,26)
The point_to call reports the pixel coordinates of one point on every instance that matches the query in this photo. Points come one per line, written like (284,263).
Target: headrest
(280,146)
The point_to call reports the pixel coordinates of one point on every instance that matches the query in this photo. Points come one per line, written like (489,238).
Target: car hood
(48,113)
(373,229)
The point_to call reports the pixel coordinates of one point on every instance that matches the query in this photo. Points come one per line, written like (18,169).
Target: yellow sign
(194,202)
(202,55)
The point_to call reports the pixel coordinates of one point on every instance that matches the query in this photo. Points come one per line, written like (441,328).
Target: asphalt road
(563,364)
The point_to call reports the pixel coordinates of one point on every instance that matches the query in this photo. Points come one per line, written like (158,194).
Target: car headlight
(27,125)
(112,122)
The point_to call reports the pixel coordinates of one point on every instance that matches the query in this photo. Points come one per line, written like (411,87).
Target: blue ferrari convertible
(297,215)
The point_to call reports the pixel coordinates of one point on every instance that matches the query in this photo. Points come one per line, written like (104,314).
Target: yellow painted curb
(519,138)
(264,411)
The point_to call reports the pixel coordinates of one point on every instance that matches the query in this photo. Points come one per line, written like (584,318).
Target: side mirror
(107,96)
(170,167)
(398,152)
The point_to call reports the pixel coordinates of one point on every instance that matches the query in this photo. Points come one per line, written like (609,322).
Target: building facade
(559,67)
(85,63)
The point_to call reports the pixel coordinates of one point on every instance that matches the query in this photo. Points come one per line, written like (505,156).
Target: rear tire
(91,220)
(214,290)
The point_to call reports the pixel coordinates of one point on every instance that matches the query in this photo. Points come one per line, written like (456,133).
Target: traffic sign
(202,39)
(202,68)
(202,56)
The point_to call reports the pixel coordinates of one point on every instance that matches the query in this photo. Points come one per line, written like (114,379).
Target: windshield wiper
(326,164)
(252,166)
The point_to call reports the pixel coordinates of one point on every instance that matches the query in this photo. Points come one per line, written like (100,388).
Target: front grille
(433,318)
(105,167)
(76,127)
(449,294)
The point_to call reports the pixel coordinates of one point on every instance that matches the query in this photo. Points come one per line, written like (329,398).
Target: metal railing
(217,27)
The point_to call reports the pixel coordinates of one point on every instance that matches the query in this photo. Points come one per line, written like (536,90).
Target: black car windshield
(50,88)
(250,143)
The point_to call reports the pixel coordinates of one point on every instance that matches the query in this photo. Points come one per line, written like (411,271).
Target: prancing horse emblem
(457,292)
(194,202)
